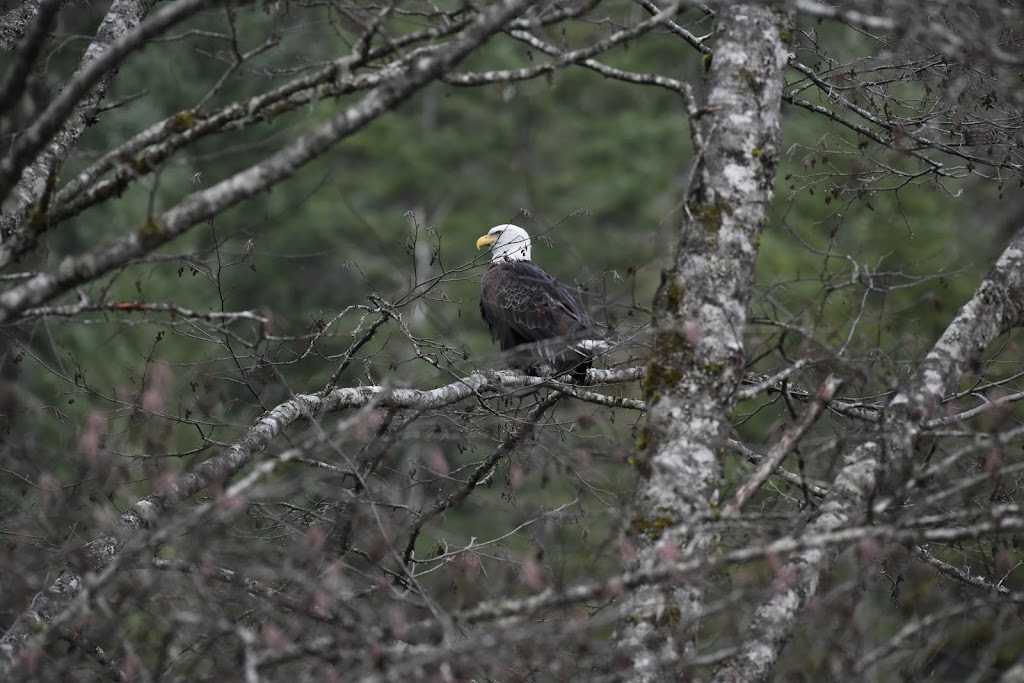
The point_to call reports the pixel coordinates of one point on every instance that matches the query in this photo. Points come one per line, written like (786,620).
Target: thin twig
(783,445)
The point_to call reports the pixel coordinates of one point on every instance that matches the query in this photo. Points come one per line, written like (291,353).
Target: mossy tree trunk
(697,361)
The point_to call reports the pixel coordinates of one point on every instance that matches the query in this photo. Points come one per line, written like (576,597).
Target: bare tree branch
(95,70)
(16,76)
(994,308)
(50,603)
(16,23)
(786,442)
(121,18)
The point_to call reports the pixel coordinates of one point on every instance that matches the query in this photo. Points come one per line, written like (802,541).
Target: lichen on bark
(697,355)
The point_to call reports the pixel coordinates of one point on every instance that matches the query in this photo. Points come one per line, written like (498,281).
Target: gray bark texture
(34,179)
(15,23)
(884,464)
(697,360)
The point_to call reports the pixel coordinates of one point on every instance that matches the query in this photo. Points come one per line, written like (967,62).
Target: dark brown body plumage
(523,305)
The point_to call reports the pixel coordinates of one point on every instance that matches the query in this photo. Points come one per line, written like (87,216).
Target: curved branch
(657,80)
(563,58)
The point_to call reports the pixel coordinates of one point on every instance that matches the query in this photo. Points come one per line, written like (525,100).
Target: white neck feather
(513,244)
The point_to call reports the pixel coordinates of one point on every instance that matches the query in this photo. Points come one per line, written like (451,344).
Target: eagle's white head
(508,243)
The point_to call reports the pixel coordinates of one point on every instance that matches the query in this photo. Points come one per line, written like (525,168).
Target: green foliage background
(596,166)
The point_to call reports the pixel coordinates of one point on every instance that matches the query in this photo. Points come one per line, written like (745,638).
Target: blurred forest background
(592,167)
(104,402)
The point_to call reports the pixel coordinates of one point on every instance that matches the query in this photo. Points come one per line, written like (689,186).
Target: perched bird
(528,313)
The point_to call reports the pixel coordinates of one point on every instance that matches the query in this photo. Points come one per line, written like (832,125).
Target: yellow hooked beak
(486,241)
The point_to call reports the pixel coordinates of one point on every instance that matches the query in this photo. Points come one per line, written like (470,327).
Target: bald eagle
(527,312)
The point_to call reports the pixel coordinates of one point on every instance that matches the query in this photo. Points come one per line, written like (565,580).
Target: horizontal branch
(564,58)
(500,615)
(1007,520)
(49,604)
(143,307)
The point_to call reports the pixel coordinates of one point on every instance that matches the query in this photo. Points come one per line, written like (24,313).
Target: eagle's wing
(521,303)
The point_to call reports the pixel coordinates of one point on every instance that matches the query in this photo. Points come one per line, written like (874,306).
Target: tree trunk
(697,360)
